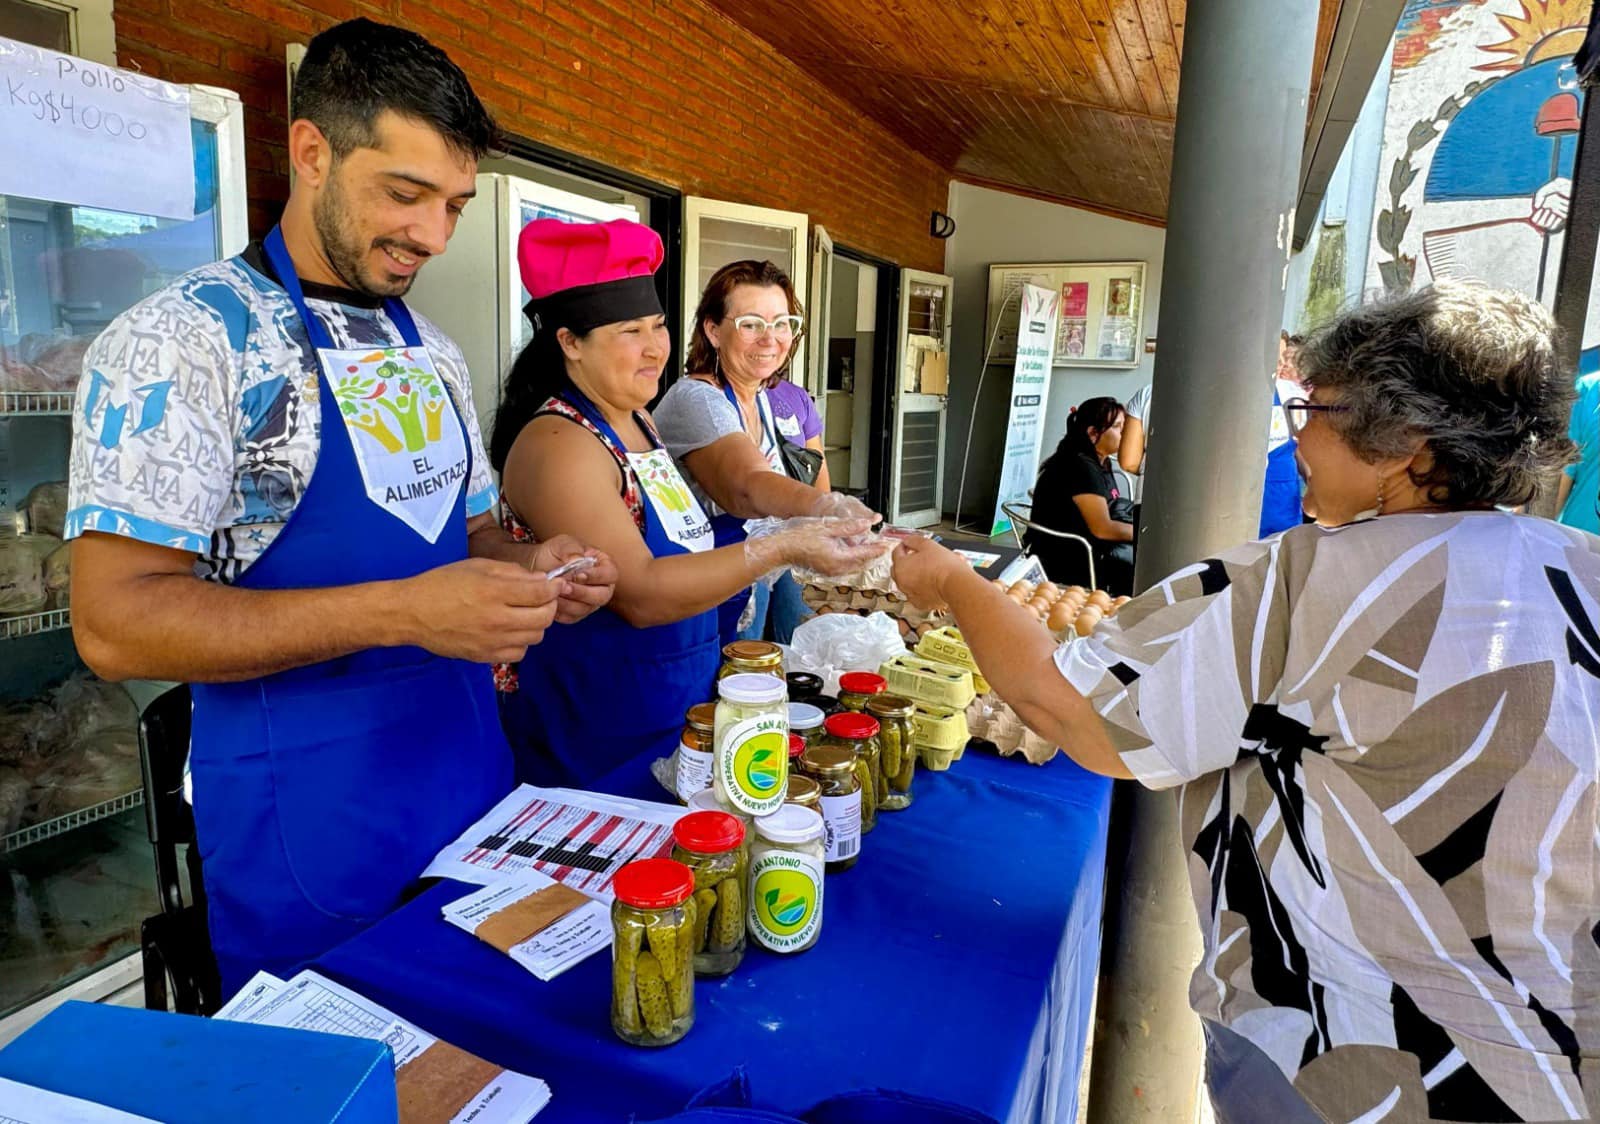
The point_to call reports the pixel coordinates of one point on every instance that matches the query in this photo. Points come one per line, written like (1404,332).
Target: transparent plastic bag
(835,643)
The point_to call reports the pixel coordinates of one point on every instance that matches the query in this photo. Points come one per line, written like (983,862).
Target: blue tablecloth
(957,961)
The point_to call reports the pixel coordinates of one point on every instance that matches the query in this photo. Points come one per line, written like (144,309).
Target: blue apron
(601,692)
(321,792)
(729,529)
(1280,491)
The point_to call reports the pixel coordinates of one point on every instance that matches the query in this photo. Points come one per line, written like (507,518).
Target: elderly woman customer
(718,422)
(1382,730)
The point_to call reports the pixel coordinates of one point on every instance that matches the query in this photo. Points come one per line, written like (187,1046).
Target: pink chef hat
(583,275)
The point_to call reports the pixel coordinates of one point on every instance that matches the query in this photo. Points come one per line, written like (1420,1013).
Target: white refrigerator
(76,871)
(474,292)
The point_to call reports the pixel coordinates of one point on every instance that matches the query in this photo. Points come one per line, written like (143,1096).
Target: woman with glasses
(719,425)
(579,455)
(1383,730)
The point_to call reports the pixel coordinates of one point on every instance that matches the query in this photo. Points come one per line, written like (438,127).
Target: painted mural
(1479,142)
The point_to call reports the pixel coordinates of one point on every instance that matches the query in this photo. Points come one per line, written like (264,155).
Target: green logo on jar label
(758,763)
(783,901)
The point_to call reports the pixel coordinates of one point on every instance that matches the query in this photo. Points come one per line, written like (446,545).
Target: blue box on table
(182,1069)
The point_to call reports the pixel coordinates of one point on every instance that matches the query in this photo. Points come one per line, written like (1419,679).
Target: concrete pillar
(1242,113)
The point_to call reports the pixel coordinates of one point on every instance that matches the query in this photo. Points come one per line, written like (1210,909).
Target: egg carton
(948,646)
(929,681)
(941,729)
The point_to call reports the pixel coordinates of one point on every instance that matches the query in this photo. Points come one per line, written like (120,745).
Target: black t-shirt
(1065,476)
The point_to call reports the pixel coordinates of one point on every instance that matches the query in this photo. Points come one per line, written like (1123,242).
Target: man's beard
(347,255)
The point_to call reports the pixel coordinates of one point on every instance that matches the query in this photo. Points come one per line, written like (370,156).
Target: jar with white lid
(751,742)
(786,874)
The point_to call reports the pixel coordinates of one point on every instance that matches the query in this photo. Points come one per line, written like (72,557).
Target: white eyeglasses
(753,327)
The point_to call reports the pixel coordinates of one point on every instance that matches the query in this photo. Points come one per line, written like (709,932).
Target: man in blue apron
(279,494)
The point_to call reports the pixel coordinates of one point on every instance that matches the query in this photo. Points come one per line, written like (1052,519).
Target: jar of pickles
(751,742)
(803,791)
(692,771)
(856,687)
(805,719)
(859,734)
(652,959)
(753,657)
(706,801)
(833,770)
(786,873)
(897,753)
(803,685)
(711,844)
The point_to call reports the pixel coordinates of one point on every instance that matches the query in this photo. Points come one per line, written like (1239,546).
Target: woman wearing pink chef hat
(578,453)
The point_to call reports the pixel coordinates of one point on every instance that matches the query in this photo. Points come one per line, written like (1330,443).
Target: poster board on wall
(1101,323)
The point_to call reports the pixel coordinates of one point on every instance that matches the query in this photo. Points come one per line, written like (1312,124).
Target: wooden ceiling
(1072,100)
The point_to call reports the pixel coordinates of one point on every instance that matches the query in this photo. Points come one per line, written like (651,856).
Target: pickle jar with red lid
(859,734)
(897,751)
(856,687)
(712,845)
(652,952)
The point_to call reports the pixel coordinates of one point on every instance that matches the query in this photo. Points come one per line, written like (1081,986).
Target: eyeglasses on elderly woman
(752,327)
(1298,412)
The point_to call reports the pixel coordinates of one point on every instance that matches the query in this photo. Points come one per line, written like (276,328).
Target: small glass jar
(803,686)
(805,719)
(652,959)
(706,801)
(759,657)
(751,743)
(786,873)
(859,734)
(804,792)
(833,768)
(711,844)
(692,770)
(897,751)
(856,687)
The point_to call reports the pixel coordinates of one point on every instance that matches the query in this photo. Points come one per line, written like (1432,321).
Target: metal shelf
(51,620)
(72,820)
(35,403)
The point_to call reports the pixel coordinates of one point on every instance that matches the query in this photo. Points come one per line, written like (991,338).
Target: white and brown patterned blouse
(1384,739)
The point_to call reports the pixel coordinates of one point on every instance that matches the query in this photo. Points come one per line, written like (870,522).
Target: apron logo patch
(394,405)
(393,400)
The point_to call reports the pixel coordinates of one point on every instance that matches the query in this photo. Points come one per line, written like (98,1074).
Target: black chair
(175,943)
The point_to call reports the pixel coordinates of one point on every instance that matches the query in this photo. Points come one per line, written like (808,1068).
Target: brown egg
(1018,596)
(1050,590)
(1121,601)
(1061,615)
(1085,621)
(1000,585)
(1076,600)
(1038,601)
(1101,598)
(1077,589)
(1026,587)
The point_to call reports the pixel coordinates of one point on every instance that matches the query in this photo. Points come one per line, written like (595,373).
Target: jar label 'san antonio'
(753,763)
(785,900)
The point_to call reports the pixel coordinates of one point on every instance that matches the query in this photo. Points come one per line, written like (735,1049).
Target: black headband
(586,307)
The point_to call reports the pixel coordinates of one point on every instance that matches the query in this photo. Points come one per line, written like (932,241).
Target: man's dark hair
(355,70)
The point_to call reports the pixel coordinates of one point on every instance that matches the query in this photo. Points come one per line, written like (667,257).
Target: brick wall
(668,89)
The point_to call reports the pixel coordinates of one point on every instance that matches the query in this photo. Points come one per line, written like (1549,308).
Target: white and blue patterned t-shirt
(198,423)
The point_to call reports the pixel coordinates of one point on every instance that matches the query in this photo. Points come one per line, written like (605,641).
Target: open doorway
(853,299)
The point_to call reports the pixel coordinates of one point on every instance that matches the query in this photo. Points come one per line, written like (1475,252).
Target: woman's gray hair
(1469,371)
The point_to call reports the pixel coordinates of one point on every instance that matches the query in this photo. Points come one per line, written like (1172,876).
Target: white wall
(994,227)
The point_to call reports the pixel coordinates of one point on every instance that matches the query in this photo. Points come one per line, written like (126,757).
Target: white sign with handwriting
(75,131)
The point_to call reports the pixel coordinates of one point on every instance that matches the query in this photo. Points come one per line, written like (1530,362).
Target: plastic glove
(839,505)
(825,546)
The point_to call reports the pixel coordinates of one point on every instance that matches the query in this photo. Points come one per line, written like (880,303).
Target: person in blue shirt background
(1579,496)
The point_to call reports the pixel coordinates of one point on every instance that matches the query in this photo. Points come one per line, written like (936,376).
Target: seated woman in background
(1077,493)
(719,424)
(577,450)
